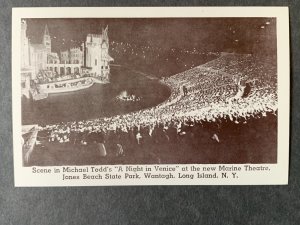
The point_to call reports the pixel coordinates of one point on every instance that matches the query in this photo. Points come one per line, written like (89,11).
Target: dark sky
(209,34)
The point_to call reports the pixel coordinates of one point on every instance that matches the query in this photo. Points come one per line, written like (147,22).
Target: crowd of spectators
(214,97)
(158,61)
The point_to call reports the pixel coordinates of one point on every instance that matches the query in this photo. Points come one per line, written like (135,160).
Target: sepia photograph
(148,91)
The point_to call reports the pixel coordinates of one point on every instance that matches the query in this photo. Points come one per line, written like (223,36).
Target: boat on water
(69,85)
(125,97)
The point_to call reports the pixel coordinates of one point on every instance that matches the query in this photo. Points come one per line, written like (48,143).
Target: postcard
(150,96)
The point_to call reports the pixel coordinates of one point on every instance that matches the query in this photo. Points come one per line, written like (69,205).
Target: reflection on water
(96,101)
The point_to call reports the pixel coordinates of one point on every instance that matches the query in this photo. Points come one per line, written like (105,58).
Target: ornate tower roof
(46,32)
(105,33)
(47,39)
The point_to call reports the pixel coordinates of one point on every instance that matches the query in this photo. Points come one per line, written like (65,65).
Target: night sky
(246,35)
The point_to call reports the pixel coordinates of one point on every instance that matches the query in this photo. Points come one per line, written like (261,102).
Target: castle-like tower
(96,54)
(47,39)
(25,46)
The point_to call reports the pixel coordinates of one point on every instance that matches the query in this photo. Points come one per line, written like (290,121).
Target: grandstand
(214,101)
